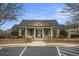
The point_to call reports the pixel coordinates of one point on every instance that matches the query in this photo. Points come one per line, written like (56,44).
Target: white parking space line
(74,48)
(69,52)
(63,54)
(23,51)
(58,51)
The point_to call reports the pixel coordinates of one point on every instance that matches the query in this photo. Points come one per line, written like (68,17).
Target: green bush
(23,31)
(63,33)
(14,33)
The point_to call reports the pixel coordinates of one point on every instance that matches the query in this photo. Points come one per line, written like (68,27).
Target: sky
(39,11)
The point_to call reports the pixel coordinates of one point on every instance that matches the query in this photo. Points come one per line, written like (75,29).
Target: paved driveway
(39,51)
(11,51)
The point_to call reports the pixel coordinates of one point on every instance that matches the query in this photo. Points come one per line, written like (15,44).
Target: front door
(38,33)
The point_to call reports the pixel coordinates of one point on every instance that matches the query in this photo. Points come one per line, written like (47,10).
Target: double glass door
(38,33)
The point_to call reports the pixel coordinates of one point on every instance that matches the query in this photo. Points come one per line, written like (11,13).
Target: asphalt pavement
(11,51)
(39,51)
(69,51)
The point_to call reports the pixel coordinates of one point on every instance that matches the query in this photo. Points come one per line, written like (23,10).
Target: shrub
(63,33)
(14,33)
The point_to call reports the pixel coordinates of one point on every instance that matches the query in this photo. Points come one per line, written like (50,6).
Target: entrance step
(38,39)
(38,43)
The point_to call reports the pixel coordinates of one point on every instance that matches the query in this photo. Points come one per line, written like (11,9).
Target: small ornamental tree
(23,31)
(63,33)
(14,33)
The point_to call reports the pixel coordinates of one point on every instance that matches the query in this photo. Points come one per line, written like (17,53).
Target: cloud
(37,15)
(49,14)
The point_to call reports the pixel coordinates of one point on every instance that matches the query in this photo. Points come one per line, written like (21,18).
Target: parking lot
(69,51)
(39,51)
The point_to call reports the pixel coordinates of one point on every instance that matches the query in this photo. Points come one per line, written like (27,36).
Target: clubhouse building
(41,29)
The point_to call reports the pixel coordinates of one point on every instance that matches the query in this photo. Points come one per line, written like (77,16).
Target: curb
(47,44)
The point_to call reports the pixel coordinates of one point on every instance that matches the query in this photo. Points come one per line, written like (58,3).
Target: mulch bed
(14,41)
(62,41)
(17,41)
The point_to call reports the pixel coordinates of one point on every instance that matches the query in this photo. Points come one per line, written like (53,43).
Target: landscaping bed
(14,41)
(62,41)
(18,41)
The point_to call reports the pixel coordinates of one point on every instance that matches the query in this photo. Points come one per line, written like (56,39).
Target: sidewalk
(62,44)
(36,44)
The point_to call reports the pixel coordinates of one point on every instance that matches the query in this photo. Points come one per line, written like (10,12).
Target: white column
(51,33)
(42,32)
(69,34)
(58,32)
(34,32)
(25,32)
(20,32)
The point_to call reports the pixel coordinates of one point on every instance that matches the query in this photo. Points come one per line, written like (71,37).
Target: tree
(9,11)
(14,32)
(73,10)
(63,33)
(68,22)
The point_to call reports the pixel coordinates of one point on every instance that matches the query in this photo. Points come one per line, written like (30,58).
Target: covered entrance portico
(40,30)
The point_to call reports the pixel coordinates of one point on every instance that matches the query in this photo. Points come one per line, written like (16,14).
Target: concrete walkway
(38,43)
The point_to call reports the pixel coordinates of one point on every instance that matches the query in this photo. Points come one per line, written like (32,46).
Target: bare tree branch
(73,10)
(9,11)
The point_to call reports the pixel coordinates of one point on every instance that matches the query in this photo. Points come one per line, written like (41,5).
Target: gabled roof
(72,26)
(50,22)
(27,22)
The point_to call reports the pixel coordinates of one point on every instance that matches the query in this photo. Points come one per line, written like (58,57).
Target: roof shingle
(50,22)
